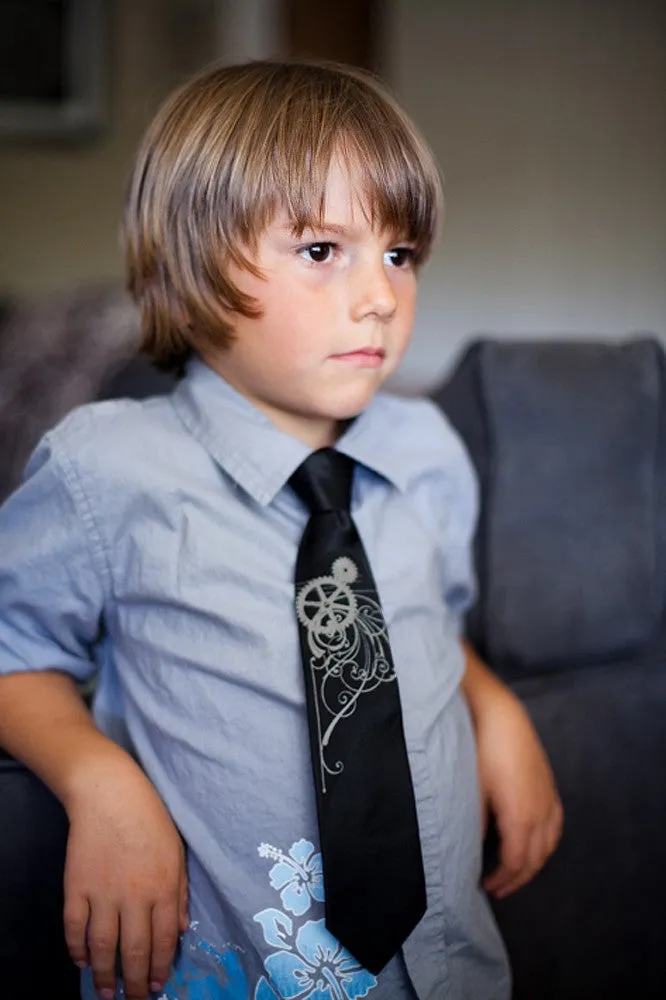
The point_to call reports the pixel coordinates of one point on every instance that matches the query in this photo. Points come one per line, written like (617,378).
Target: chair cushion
(593,922)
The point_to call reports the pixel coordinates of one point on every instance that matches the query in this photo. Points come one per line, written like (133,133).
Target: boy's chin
(348,403)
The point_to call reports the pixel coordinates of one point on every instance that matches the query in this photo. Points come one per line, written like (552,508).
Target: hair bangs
(324,115)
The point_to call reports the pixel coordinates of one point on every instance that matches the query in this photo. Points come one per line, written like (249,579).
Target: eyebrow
(325,227)
(333,229)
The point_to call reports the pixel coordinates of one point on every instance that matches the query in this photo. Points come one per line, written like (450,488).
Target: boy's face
(337,313)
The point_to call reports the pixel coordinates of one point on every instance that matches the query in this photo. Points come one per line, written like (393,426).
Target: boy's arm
(124,853)
(517,783)
(122,843)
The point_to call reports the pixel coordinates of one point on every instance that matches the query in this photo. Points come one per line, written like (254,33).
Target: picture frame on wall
(53,62)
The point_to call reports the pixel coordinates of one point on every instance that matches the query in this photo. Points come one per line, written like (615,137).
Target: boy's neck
(315,432)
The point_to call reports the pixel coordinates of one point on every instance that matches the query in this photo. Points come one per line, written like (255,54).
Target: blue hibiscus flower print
(317,968)
(265,991)
(203,973)
(298,875)
(193,983)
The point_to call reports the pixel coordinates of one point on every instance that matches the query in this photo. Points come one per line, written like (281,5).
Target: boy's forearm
(480,686)
(45,724)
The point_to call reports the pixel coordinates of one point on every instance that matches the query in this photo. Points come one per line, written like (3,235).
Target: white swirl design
(349,652)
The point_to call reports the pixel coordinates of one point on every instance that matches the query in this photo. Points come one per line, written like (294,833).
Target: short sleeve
(51,589)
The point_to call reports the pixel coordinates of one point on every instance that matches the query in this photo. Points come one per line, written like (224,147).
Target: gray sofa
(569,446)
(568,442)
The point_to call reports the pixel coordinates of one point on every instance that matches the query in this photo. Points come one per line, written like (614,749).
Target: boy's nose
(373,294)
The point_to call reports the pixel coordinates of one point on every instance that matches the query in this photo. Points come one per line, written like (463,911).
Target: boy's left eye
(318,253)
(399,256)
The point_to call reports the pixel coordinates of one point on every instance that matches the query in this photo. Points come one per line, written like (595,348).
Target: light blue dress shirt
(155,542)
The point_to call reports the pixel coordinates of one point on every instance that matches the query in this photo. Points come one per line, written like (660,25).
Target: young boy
(276,222)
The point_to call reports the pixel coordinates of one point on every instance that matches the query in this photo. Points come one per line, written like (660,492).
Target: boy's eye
(318,253)
(399,256)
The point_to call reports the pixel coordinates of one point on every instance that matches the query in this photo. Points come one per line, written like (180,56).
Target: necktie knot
(324,481)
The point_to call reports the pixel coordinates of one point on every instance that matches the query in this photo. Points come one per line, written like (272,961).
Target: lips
(370,357)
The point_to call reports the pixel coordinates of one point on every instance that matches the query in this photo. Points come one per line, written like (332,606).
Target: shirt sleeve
(51,583)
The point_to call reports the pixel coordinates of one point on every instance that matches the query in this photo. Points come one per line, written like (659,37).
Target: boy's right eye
(317,253)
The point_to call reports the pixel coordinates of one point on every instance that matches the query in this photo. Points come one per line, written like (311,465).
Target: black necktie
(368,828)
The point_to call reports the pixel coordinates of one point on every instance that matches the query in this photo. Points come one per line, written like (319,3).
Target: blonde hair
(229,149)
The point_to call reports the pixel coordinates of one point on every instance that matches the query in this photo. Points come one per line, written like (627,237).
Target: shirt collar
(248,446)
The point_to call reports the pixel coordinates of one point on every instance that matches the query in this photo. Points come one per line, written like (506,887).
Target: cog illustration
(326,605)
(345,570)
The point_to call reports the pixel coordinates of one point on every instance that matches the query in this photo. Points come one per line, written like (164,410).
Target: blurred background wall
(549,120)
(60,200)
(547,116)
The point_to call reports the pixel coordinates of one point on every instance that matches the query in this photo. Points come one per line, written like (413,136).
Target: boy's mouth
(364,357)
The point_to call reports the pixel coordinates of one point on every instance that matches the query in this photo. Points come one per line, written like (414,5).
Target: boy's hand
(518,788)
(517,783)
(125,882)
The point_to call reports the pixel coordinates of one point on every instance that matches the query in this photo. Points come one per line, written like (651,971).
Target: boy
(276,221)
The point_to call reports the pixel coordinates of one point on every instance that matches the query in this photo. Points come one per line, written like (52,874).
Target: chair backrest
(55,353)
(568,442)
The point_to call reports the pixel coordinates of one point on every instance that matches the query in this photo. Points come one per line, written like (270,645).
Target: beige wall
(549,119)
(60,204)
(548,116)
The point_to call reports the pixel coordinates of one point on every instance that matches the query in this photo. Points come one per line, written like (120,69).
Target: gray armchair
(569,445)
